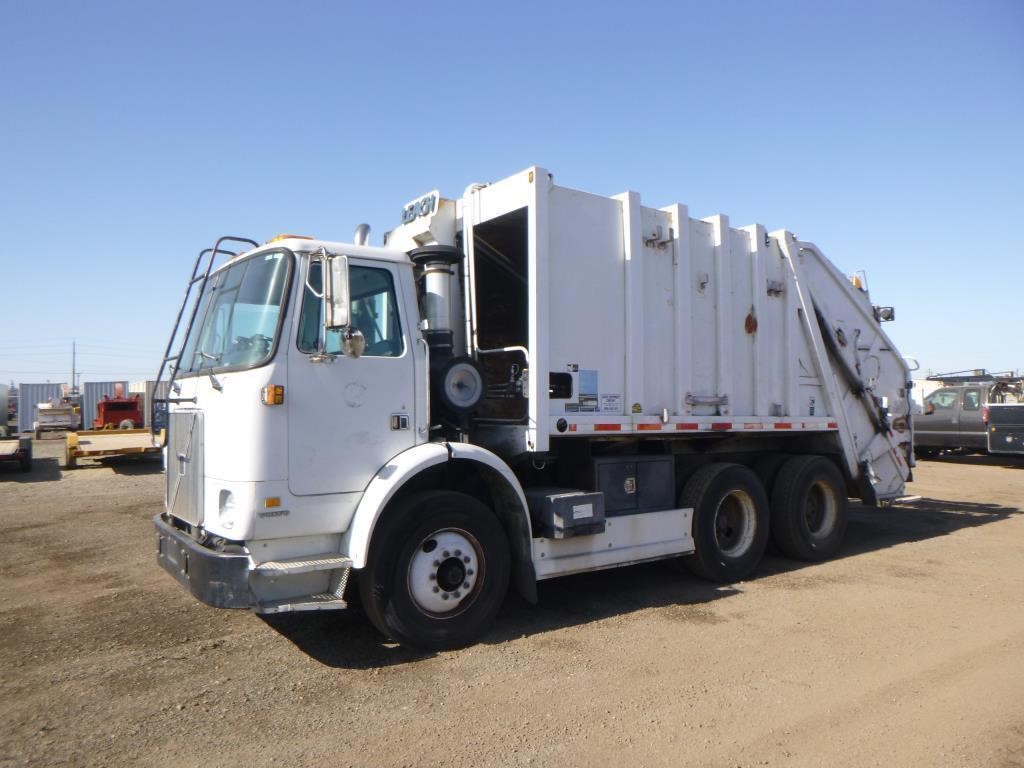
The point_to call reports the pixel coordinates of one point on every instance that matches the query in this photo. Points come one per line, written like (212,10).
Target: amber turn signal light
(272,394)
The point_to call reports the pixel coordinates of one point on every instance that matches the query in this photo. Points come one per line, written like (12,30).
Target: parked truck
(972,411)
(59,414)
(525,382)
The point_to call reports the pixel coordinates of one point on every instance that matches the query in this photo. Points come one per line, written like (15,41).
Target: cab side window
(942,399)
(373,310)
(972,400)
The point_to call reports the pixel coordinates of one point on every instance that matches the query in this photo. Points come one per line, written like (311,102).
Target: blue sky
(133,134)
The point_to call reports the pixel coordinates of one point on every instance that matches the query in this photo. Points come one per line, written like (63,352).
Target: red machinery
(118,412)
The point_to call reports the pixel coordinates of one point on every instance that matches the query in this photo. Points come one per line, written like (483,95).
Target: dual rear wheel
(734,516)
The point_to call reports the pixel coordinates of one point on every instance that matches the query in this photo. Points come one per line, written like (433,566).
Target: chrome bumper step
(324,602)
(291,566)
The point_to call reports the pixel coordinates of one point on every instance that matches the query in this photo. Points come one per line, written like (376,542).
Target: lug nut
(466,585)
(436,590)
(447,553)
(432,577)
(456,594)
(444,596)
(458,553)
(469,571)
(437,563)
(465,559)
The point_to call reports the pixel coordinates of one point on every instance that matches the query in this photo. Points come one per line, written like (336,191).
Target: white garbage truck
(524,382)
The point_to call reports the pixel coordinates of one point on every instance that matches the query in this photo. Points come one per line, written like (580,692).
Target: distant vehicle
(118,412)
(15,448)
(58,414)
(956,416)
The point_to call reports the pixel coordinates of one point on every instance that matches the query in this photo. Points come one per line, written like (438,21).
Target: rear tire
(437,571)
(730,522)
(767,469)
(809,509)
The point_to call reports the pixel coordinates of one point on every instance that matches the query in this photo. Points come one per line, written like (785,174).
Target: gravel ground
(906,650)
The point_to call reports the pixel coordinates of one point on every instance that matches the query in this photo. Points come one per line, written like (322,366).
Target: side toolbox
(561,513)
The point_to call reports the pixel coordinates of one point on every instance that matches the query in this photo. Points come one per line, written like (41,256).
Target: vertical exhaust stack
(362,235)
(456,382)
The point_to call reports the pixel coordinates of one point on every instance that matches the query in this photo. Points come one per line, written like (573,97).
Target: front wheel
(730,521)
(437,571)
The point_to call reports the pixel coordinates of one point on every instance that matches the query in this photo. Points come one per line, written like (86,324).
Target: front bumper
(215,578)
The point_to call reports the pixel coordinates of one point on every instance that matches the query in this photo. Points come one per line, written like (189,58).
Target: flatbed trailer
(97,443)
(15,447)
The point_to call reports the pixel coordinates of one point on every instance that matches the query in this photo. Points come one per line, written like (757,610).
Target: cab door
(348,416)
(938,424)
(972,430)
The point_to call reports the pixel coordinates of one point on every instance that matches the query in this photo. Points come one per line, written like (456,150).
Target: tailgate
(1006,428)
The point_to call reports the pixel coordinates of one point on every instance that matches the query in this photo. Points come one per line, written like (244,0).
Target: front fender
(401,469)
(355,542)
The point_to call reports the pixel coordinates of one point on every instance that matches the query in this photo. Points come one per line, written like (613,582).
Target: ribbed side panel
(185,466)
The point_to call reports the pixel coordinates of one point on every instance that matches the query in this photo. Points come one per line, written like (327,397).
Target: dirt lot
(907,650)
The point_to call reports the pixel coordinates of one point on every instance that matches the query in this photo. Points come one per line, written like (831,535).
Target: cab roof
(298,244)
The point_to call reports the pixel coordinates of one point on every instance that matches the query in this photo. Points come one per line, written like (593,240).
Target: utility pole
(73,388)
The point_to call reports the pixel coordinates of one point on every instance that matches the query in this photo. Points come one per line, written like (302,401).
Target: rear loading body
(527,382)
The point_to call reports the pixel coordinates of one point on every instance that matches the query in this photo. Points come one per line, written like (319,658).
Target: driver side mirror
(336,296)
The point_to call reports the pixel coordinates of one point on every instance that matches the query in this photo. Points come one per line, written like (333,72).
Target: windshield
(238,316)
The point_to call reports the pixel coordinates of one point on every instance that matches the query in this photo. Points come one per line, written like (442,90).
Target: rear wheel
(767,468)
(437,572)
(730,521)
(809,508)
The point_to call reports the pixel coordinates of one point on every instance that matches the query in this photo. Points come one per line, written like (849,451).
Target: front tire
(730,522)
(437,571)
(809,509)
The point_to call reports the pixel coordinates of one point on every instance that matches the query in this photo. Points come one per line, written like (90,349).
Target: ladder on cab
(169,365)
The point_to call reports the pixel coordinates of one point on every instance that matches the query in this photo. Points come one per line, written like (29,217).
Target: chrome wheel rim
(445,572)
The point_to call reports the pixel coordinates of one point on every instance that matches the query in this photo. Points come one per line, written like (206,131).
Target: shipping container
(30,395)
